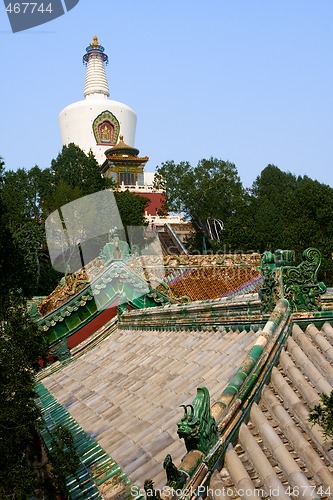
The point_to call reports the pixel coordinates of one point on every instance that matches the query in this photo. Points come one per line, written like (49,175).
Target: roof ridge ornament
(95,42)
(198,427)
(297,284)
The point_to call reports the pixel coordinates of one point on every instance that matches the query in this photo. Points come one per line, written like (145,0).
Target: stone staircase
(167,243)
(279,454)
(126,392)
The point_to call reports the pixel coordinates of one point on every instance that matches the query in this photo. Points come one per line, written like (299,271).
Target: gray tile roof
(126,392)
(279,453)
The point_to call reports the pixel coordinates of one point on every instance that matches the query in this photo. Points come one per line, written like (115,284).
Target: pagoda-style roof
(86,300)
(121,149)
(122,154)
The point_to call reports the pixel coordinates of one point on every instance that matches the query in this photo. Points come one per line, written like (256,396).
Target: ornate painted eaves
(117,284)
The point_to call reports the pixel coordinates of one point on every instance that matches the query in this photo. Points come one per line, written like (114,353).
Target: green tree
(208,194)
(309,222)
(73,174)
(22,194)
(21,345)
(13,275)
(29,196)
(61,194)
(16,197)
(269,192)
(239,233)
(22,350)
(131,207)
(74,168)
(322,414)
(283,211)
(63,459)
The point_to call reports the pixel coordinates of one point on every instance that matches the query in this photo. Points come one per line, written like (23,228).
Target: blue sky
(248,81)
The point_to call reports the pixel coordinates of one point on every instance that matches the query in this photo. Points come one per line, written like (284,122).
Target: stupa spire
(96,81)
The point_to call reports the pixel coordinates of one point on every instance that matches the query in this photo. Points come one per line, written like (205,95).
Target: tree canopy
(279,211)
(131,207)
(208,194)
(322,414)
(22,352)
(21,345)
(30,196)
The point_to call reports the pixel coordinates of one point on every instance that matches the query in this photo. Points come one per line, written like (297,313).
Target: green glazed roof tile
(96,467)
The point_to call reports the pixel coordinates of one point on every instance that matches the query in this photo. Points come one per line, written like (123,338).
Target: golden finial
(121,138)
(94,42)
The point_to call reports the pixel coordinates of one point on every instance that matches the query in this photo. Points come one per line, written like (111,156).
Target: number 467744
(29,8)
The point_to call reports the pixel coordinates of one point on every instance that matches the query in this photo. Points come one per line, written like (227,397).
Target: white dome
(76,123)
(82,122)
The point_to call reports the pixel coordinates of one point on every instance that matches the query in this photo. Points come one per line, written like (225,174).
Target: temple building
(124,165)
(107,128)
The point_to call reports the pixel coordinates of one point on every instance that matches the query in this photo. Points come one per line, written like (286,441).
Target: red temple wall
(92,327)
(156,202)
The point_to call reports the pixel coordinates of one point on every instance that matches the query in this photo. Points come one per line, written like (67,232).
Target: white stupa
(97,122)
